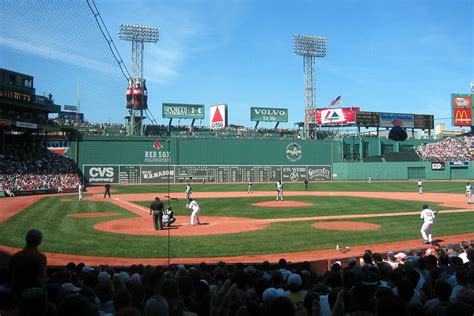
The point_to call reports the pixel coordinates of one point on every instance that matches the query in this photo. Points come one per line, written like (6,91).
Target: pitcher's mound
(282,204)
(346,226)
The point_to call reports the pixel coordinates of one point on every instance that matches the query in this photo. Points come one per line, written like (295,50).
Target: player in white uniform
(188,191)
(369,181)
(428,217)
(279,189)
(420,186)
(469,193)
(79,190)
(196,211)
(250,187)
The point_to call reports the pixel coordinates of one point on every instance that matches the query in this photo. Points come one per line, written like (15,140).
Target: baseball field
(236,226)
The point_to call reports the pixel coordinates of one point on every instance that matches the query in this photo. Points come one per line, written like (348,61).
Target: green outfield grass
(65,234)
(375,186)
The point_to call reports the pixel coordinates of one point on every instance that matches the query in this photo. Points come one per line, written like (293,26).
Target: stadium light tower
(138,35)
(309,47)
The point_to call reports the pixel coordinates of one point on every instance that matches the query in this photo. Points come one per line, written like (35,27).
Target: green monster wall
(158,153)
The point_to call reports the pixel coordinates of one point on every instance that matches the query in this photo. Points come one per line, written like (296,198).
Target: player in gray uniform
(420,186)
(250,187)
(188,191)
(279,189)
(469,193)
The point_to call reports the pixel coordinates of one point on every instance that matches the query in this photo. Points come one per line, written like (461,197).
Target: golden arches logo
(462,117)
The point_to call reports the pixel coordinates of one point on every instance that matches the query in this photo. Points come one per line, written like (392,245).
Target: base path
(212,225)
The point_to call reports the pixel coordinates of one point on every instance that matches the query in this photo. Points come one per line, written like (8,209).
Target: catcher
(168,217)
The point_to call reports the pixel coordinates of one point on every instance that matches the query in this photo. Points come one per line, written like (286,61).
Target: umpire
(156,209)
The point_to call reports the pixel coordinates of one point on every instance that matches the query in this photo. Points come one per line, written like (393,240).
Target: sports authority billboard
(462,109)
(218,115)
(336,116)
(268,115)
(183,111)
(397,119)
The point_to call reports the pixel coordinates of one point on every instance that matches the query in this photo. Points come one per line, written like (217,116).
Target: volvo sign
(268,115)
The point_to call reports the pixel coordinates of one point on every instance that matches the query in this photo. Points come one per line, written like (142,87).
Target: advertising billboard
(218,115)
(183,111)
(268,115)
(462,109)
(397,119)
(336,116)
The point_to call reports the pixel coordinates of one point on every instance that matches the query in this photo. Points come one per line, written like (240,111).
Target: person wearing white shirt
(279,189)
(428,217)
(469,193)
(79,191)
(420,186)
(196,210)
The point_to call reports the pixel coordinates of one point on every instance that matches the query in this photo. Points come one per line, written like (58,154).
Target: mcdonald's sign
(462,116)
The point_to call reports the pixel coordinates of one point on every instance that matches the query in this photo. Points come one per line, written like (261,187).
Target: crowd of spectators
(432,281)
(451,149)
(27,165)
(21,116)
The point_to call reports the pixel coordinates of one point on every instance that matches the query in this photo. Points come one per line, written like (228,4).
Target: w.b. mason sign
(268,115)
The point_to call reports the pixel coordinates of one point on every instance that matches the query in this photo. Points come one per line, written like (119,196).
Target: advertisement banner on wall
(157,174)
(101,174)
(319,173)
(218,116)
(336,116)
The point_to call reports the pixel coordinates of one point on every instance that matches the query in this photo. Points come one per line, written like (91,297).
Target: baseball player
(188,191)
(420,186)
(168,217)
(428,217)
(279,189)
(369,180)
(250,187)
(469,193)
(79,191)
(306,184)
(196,211)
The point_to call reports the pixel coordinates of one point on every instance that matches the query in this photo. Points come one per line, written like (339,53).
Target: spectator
(27,268)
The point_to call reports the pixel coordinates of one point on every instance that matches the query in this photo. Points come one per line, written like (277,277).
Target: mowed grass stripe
(336,186)
(321,206)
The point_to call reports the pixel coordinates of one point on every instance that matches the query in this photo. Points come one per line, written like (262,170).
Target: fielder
(279,189)
(79,191)
(469,193)
(193,205)
(428,217)
(420,186)
(188,191)
(250,187)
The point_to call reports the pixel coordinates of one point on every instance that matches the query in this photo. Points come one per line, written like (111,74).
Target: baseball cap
(69,287)
(103,276)
(294,279)
(370,278)
(391,256)
(272,293)
(401,255)
(87,269)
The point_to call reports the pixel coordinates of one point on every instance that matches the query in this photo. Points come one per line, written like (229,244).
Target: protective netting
(61,45)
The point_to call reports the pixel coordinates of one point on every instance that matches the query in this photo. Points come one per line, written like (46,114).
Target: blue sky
(386,56)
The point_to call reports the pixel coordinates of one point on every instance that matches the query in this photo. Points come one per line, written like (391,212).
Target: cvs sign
(101,174)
